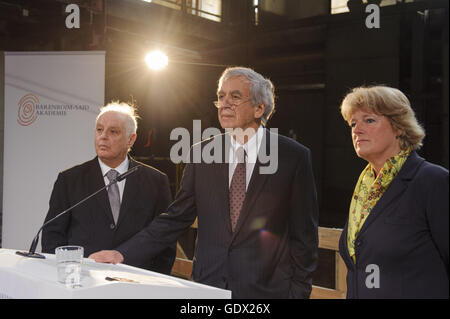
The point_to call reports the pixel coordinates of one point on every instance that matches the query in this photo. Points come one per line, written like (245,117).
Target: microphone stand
(31,253)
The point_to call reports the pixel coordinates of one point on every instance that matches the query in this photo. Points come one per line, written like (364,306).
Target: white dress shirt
(251,149)
(122,168)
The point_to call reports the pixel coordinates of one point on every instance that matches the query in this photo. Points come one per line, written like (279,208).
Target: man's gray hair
(126,109)
(262,90)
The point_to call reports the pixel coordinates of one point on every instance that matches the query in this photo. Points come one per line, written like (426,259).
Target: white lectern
(22,277)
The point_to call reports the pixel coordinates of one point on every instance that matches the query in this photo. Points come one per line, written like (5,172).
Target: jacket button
(112,226)
(358,243)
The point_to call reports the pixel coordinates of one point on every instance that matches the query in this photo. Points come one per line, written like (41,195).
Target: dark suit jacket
(273,251)
(406,236)
(91,225)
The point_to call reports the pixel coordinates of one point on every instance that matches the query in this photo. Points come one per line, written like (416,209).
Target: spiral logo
(27,109)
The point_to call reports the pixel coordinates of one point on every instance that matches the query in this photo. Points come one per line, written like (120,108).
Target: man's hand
(107,256)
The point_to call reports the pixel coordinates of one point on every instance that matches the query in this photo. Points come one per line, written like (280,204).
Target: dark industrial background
(312,56)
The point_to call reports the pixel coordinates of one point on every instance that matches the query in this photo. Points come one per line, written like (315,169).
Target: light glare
(156,60)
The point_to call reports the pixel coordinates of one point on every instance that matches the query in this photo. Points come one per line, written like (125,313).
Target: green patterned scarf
(368,191)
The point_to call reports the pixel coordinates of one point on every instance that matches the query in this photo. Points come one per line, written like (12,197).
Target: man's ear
(131,140)
(259,110)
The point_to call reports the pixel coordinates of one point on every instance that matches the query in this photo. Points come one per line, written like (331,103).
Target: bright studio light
(156,60)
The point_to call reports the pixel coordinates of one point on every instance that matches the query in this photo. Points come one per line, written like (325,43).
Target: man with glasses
(257,233)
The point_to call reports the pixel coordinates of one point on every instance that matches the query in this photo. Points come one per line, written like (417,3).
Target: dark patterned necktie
(237,188)
(113,194)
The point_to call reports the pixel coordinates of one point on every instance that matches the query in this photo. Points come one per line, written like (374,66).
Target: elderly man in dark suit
(113,216)
(257,224)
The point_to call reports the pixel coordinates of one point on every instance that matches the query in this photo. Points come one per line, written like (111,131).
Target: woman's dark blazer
(402,248)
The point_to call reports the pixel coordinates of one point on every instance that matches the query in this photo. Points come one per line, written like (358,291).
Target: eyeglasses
(235,102)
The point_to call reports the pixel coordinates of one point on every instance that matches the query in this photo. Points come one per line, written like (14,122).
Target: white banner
(51,101)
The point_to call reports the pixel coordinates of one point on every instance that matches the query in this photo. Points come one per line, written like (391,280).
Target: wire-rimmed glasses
(235,102)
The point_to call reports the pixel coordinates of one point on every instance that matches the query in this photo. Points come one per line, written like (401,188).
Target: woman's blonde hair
(391,103)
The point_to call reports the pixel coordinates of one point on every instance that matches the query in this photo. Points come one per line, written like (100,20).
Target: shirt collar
(251,147)
(122,168)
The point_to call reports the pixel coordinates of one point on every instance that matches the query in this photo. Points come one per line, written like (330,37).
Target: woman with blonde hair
(395,243)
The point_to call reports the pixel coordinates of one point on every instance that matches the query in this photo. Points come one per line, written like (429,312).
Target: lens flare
(156,60)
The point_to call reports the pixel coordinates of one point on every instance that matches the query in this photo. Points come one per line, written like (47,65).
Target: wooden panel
(326,293)
(180,251)
(329,238)
(182,268)
(341,273)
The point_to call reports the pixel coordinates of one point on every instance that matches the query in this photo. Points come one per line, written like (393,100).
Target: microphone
(31,253)
(124,175)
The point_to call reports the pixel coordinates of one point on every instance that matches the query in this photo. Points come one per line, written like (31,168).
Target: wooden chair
(328,239)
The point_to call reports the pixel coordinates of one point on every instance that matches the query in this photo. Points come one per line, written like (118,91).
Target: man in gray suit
(257,232)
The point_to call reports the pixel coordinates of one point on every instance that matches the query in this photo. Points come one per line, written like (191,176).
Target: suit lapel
(343,247)
(97,181)
(223,192)
(221,172)
(129,192)
(395,190)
